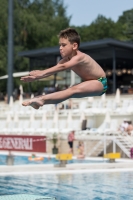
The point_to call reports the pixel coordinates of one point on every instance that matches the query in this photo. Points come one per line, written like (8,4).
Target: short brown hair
(71,34)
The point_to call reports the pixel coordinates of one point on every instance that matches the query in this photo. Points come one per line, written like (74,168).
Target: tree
(126,20)
(99,29)
(3,36)
(36,25)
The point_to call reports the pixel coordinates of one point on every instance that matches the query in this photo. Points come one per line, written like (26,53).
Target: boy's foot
(35,103)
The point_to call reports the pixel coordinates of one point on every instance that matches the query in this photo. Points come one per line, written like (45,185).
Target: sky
(85,11)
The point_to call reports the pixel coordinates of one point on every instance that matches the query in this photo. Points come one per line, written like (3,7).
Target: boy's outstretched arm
(39,74)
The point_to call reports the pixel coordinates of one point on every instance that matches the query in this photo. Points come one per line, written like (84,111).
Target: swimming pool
(20,160)
(81,186)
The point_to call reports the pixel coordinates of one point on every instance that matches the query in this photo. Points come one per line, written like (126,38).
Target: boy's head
(71,34)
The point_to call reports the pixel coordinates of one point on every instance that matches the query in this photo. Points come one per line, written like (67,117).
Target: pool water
(20,160)
(88,186)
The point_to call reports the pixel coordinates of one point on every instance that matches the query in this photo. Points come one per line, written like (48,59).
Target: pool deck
(102,166)
(122,165)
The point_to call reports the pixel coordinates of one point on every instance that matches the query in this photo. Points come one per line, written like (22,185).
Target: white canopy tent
(20,74)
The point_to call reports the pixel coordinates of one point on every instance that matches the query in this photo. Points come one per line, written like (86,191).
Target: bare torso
(87,68)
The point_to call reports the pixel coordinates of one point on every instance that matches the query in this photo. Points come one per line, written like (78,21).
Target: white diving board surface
(25,197)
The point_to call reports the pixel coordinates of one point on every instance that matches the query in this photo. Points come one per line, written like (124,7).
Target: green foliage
(39,23)
(36,25)
(55,139)
(126,21)
(3,37)
(101,28)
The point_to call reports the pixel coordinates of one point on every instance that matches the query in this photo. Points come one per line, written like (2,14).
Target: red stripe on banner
(23,143)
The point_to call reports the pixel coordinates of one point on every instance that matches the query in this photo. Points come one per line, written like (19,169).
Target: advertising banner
(23,143)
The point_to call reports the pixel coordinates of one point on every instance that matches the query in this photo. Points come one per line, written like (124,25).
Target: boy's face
(66,48)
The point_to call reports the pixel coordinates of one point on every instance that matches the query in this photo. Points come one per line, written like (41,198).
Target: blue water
(91,186)
(20,160)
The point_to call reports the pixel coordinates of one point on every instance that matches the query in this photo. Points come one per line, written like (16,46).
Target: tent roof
(98,44)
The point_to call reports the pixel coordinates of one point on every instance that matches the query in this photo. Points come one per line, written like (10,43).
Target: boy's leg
(84,89)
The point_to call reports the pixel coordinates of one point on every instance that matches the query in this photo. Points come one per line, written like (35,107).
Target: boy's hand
(36,73)
(28,78)
(33,75)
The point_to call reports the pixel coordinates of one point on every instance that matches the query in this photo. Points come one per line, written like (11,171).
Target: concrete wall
(63,147)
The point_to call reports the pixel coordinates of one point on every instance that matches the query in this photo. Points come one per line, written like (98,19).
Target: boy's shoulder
(63,60)
(80,57)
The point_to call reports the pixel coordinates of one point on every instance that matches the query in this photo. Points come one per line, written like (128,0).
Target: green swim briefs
(103,80)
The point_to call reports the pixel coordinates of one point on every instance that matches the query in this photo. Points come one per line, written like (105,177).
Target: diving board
(112,155)
(64,156)
(25,197)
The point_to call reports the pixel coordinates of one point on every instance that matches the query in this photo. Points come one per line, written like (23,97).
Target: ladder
(99,147)
(125,143)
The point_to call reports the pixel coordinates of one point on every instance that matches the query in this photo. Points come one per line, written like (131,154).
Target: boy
(94,79)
